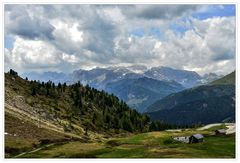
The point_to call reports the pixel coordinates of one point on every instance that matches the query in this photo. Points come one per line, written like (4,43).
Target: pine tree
(64,87)
(33,92)
(13,73)
(59,86)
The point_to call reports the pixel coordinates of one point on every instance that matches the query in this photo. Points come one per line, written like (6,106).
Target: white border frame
(117,2)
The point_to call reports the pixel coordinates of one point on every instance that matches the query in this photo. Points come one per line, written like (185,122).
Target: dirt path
(210,126)
(35,150)
(231,129)
(174,130)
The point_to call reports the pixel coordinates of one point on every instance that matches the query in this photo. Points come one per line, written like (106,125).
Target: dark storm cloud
(160,11)
(99,31)
(223,55)
(30,27)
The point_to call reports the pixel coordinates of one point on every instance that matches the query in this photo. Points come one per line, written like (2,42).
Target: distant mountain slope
(210,77)
(186,78)
(141,92)
(189,95)
(228,79)
(203,111)
(203,104)
(99,77)
(56,77)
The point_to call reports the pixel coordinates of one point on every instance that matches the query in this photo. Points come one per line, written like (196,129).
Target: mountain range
(137,85)
(186,78)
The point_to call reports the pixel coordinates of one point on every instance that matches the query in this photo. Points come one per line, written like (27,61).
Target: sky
(65,38)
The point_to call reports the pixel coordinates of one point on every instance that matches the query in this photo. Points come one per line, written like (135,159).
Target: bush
(169,141)
(113,143)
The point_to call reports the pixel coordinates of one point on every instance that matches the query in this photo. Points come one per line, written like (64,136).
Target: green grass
(146,145)
(212,147)
(69,150)
(136,139)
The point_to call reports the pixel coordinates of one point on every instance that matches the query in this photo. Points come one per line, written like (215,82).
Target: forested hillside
(75,104)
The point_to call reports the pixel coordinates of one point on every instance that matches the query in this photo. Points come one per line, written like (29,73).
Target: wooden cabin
(196,138)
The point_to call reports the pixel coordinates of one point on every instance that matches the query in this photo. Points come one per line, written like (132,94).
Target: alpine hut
(196,138)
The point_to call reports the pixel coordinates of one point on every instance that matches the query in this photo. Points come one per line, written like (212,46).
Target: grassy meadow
(145,145)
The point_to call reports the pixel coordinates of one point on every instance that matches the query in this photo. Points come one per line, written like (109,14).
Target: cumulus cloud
(31,54)
(69,37)
(211,49)
(208,50)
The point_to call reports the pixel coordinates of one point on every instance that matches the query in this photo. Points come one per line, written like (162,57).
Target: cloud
(69,37)
(27,25)
(208,46)
(38,55)
(31,54)
(160,11)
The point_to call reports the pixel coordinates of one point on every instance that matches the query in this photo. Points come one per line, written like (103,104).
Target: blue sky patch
(216,11)
(156,32)
(138,32)
(8,42)
(181,26)
(178,28)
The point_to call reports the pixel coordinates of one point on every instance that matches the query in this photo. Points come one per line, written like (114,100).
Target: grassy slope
(25,131)
(31,120)
(146,145)
(23,135)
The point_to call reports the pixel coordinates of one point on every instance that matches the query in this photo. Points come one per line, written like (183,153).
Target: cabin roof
(198,136)
(221,130)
